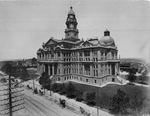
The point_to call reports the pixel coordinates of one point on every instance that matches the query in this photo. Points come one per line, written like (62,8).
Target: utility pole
(10,100)
(50,84)
(33,85)
(97,103)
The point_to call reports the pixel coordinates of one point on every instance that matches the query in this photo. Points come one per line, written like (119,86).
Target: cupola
(107,40)
(71,12)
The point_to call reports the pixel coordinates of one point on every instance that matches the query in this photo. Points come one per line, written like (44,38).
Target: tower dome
(107,40)
(71,11)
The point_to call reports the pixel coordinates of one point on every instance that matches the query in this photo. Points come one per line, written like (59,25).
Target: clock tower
(71,31)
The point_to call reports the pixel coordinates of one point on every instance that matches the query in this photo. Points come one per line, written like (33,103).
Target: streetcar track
(43,111)
(47,113)
(29,104)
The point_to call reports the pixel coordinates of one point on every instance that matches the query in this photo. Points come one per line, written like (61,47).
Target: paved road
(39,106)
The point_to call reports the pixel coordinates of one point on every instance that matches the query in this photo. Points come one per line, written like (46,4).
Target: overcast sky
(26,24)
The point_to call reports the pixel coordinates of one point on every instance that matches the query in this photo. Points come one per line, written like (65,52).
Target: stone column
(110,55)
(110,69)
(99,55)
(107,69)
(54,56)
(83,69)
(83,55)
(78,68)
(99,70)
(48,69)
(91,56)
(77,56)
(43,68)
(52,69)
(104,55)
(116,67)
(44,56)
(61,69)
(61,56)
(91,70)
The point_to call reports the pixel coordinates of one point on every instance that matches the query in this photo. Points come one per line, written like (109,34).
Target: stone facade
(92,61)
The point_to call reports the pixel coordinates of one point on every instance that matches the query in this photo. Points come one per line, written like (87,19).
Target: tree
(119,102)
(24,73)
(131,76)
(71,91)
(62,89)
(54,87)
(79,95)
(136,105)
(7,68)
(145,106)
(44,80)
(16,71)
(91,98)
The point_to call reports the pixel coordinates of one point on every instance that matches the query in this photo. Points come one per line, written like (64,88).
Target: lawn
(105,93)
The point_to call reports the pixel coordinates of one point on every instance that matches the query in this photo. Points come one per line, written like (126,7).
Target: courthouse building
(92,61)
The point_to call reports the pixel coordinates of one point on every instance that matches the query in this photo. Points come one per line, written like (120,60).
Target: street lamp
(33,85)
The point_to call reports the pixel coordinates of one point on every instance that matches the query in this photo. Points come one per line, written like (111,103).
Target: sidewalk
(126,81)
(71,103)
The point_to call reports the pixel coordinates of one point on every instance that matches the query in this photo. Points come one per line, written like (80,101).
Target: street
(36,105)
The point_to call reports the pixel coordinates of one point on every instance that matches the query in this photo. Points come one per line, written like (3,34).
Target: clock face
(71,16)
(71,26)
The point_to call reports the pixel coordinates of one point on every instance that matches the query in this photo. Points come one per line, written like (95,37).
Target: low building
(92,61)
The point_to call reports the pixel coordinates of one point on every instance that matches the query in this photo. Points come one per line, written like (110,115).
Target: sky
(26,24)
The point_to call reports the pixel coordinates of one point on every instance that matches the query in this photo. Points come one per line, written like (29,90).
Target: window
(96,72)
(58,54)
(59,71)
(86,80)
(95,81)
(80,78)
(96,65)
(96,59)
(113,79)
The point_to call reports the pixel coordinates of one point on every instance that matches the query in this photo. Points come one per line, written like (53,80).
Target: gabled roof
(91,42)
(94,41)
(86,43)
(52,41)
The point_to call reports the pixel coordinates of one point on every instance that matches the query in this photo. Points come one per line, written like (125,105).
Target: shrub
(62,89)
(79,99)
(79,95)
(91,98)
(119,103)
(54,87)
(71,91)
